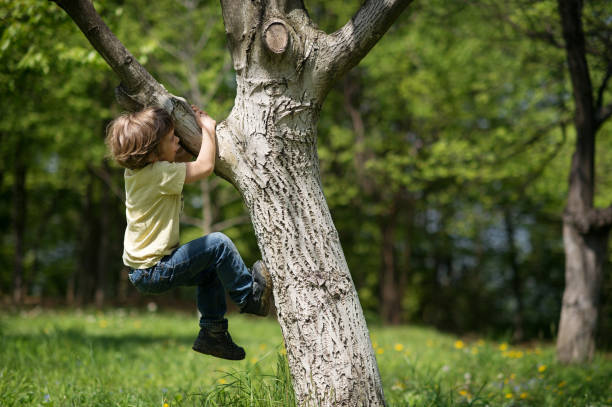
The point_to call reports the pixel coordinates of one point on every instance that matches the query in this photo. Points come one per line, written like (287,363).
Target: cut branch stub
(276,36)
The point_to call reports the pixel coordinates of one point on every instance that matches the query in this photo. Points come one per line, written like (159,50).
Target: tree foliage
(453,131)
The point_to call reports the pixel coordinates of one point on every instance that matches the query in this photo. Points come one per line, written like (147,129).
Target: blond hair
(132,137)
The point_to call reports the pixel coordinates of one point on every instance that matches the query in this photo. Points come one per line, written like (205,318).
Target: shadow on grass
(78,337)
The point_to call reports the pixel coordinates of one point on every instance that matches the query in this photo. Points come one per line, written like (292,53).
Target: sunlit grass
(127,358)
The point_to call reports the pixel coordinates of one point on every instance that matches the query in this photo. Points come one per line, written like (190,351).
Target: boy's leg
(213,264)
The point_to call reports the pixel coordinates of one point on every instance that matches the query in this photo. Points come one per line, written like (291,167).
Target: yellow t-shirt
(153,203)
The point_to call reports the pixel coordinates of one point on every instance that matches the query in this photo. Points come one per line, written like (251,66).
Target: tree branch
(602,87)
(239,220)
(603,114)
(343,49)
(105,177)
(591,220)
(138,88)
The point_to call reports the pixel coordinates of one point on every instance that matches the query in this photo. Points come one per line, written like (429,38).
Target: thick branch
(138,88)
(589,221)
(343,49)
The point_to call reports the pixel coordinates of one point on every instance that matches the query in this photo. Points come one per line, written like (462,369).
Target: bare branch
(603,86)
(192,221)
(343,49)
(228,223)
(604,114)
(103,174)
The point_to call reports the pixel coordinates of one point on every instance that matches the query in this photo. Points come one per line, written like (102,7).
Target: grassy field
(130,358)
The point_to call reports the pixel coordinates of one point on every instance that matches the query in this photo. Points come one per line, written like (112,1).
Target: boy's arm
(204,164)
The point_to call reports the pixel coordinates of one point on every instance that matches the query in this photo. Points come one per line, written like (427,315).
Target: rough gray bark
(266,148)
(585,229)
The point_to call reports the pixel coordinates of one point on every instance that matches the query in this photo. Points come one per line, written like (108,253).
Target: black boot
(258,301)
(217,343)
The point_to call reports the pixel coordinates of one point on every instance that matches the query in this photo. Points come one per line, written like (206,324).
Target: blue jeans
(212,264)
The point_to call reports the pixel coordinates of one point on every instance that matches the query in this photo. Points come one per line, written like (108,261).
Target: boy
(144,143)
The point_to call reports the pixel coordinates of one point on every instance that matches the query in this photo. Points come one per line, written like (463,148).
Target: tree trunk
(277,171)
(19,221)
(585,255)
(88,256)
(102,266)
(517,283)
(585,229)
(390,290)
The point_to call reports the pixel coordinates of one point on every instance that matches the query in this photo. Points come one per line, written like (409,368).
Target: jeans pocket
(154,280)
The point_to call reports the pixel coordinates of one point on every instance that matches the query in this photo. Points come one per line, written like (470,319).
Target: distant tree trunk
(19,222)
(585,229)
(88,254)
(517,283)
(104,227)
(391,274)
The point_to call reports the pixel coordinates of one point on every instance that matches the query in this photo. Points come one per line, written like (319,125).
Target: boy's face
(168,147)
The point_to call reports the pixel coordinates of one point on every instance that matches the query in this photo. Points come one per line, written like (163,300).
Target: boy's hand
(205,122)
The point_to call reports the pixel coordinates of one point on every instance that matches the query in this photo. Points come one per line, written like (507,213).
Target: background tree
(585,228)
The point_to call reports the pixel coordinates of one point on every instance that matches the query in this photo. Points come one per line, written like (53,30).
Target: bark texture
(266,148)
(585,229)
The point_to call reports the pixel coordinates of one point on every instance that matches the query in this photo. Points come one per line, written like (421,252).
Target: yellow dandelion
(398,347)
(464,393)
(166,405)
(459,344)
(137,324)
(474,351)
(542,368)
(429,343)
(480,342)
(524,395)
(375,345)
(222,381)
(263,346)
(508,395)
(562,384)
(254,360)
(380,351)
(398,386)
(103,323)
(512,376)
(283,351)
(503,347)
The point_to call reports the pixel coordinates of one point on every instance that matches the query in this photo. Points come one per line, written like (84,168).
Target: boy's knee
(221,239)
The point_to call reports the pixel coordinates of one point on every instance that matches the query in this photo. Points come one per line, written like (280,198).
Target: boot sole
(219,355)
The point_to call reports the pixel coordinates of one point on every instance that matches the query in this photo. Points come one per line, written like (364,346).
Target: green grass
(129,358)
